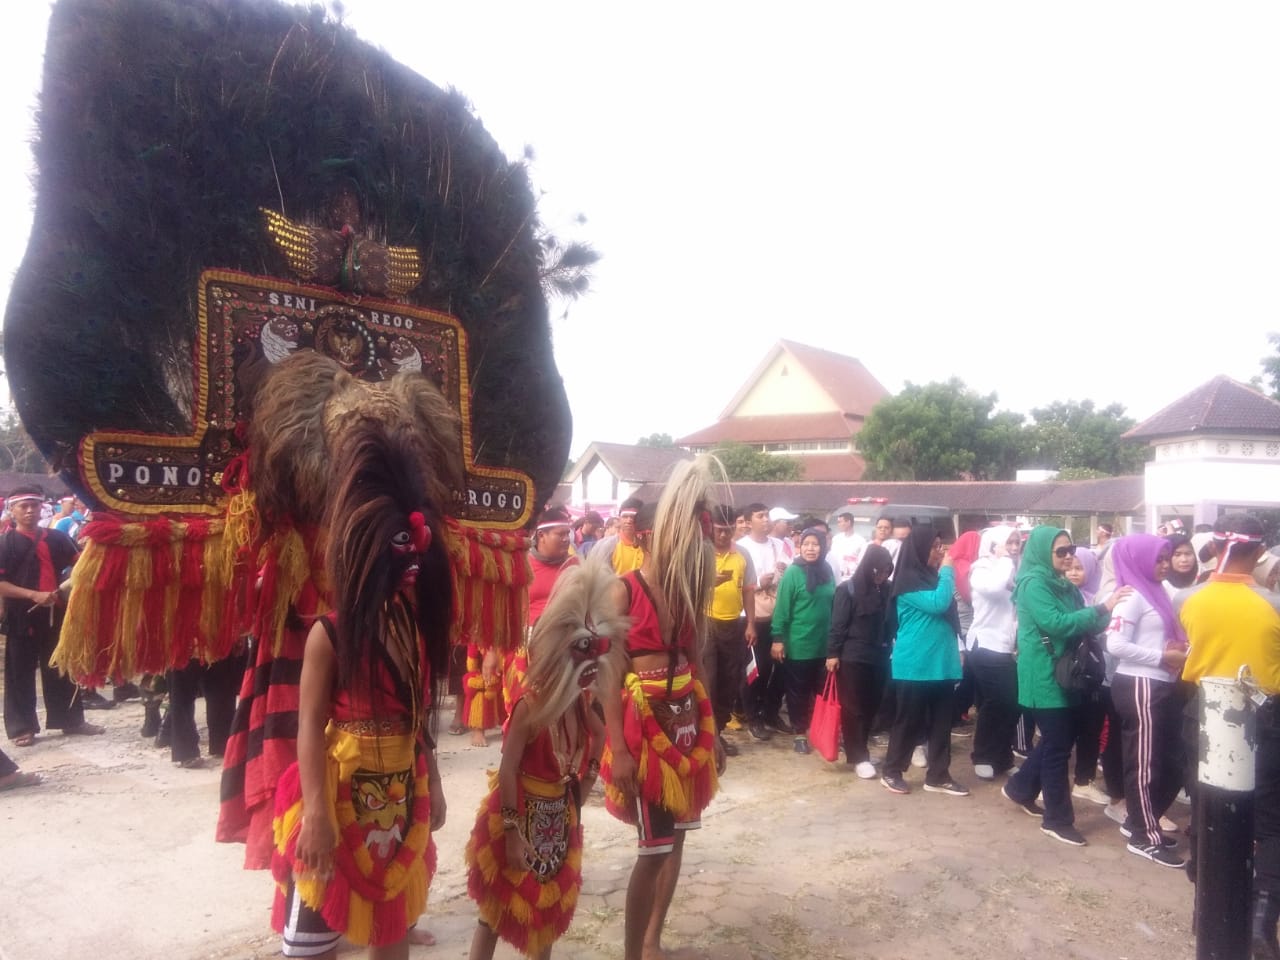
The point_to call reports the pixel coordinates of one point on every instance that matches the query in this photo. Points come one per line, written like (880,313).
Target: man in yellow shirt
(624,553)
(1232,622)
(728,631)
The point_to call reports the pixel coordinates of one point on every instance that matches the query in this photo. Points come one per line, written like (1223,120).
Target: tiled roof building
(1220,404)
(970,501)
(608,473)
(1217,449)
(804,402)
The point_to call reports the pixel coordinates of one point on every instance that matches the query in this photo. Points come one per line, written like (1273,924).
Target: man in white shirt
(769,558)
(846,547)
(780,529)
(901,528)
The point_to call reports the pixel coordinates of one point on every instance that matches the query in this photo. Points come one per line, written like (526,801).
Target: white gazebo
(1217,449)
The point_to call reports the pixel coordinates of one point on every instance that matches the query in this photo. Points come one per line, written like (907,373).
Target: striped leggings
(1151,734)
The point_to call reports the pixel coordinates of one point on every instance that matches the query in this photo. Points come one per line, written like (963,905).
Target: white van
(867,510)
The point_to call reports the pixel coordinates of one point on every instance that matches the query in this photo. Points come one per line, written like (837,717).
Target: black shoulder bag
(1080,668)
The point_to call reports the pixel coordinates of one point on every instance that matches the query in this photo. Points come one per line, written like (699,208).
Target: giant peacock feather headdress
(224,183)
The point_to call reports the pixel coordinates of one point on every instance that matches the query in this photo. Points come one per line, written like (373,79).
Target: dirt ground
(114,855)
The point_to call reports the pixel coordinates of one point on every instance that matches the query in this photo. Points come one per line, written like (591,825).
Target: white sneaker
(984,771)
(918,758)
(1090,791)
(1183,798)
(866,770)
(1168,826)
(1117,811)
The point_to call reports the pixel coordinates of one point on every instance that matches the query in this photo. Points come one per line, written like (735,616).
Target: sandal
(19,779)
(456,729)
(24,740)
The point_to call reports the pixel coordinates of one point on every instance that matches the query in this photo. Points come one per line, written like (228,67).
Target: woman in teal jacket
(1049,607)
(925,665)
(801,621)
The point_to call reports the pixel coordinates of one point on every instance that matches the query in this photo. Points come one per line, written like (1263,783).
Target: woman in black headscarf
(801,622)
(926,663)
(858,648)
(1184,566)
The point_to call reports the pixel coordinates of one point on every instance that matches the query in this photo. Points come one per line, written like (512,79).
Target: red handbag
(824,730)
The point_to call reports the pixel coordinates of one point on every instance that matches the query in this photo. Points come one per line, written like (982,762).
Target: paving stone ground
(797,859)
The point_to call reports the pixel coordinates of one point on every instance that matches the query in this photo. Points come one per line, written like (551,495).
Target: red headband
(1234,537)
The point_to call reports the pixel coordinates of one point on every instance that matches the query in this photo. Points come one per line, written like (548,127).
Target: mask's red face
(585,650)
(408,545)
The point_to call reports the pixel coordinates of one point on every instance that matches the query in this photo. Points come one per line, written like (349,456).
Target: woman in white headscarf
(992,640)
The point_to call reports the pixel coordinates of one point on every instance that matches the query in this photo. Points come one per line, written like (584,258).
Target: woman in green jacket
(1050,609)
(801,621)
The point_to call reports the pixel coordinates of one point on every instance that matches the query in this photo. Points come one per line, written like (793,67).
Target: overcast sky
(1050,201)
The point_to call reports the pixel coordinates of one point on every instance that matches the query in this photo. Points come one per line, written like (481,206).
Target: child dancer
(525,852)
(354,815)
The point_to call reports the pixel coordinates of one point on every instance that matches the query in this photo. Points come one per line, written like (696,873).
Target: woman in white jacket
(992,641)
(1150,647)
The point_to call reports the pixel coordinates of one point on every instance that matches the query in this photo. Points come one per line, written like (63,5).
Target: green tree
(1271,369)
(940,431)
(1003,445)
(744,464)
(1074,436)
(1080,473)
(18,452)
(662,440)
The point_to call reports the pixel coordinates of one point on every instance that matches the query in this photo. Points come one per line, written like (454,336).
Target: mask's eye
(582,645)
(401,539)
(372,801)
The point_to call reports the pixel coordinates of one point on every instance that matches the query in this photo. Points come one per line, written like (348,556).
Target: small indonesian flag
(753,670)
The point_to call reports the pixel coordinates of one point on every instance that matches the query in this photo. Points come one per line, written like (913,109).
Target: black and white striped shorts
(305,932)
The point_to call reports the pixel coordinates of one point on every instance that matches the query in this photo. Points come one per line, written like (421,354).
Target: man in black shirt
(32,559)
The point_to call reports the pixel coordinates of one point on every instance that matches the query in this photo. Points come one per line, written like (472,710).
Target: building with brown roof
(608,473)
(1217,449)
(972,503)
(804,402)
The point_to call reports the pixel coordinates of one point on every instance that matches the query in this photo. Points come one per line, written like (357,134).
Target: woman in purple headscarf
(1085,573)
(1150,646)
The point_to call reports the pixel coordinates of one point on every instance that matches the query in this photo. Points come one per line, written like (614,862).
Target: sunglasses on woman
(1063,552)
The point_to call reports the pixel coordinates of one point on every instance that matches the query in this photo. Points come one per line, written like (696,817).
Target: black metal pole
(1223,821)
